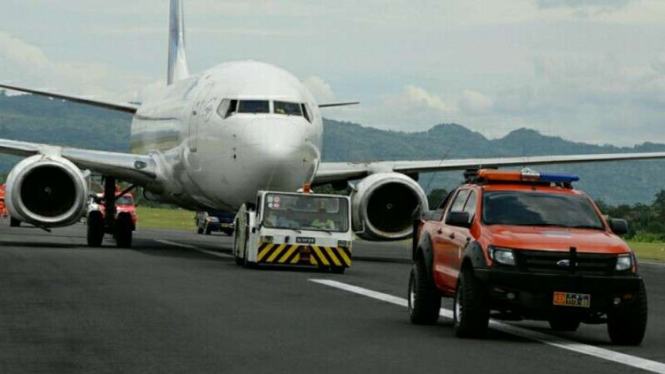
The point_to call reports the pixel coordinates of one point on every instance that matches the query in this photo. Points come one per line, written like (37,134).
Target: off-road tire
(563,323)
(95,229)
(423,296)
(627,325)
(471,312)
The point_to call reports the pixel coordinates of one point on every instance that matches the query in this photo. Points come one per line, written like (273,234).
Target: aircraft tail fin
(177,57)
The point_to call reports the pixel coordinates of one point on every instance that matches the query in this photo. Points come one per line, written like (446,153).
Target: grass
(648,251)
(170,219)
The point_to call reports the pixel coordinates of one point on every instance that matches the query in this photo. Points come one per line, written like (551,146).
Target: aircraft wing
(121,107)
(330,172)
(139,169)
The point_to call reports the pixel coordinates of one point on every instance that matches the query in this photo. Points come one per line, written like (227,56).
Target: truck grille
(553,262)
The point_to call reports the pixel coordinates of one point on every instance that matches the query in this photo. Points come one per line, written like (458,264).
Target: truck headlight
(624,262)
(503,256)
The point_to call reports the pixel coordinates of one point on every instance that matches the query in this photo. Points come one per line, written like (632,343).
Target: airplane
(210,141)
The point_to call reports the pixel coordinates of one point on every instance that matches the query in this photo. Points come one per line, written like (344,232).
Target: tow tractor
(295,229)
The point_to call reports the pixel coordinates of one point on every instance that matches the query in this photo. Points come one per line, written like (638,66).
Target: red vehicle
(123,204)
(3,208)
(522,245)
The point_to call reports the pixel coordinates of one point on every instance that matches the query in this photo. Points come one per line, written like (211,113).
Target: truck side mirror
(460,219)
(619,226)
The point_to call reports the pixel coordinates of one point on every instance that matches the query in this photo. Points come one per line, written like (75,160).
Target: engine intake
(46,191)
(384,205)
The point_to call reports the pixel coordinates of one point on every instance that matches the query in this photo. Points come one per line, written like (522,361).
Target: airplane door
(201,113)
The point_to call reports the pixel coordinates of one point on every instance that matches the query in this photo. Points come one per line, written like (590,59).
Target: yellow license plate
(580,300)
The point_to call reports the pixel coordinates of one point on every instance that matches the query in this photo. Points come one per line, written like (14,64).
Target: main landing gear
(120,225)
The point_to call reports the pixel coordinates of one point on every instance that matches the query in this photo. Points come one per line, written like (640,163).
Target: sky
(586,70)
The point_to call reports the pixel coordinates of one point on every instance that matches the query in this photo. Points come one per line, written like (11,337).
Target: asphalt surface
(166,307)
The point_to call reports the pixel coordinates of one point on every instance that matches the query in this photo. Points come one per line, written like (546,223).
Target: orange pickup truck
(523,245)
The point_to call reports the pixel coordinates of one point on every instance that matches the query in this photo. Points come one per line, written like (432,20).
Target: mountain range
(37,119)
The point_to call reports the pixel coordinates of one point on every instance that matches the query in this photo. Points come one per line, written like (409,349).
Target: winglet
(177,57)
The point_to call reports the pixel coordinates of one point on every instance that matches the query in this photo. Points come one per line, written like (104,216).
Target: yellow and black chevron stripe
(271,253)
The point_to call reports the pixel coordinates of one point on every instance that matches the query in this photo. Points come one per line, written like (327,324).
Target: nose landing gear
(121,225)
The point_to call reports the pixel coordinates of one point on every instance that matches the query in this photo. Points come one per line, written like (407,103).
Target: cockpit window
(254,106)
(306,112)
(227,108)
(289,109)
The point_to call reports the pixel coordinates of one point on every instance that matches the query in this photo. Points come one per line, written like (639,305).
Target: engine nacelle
(384,205)
(46,191)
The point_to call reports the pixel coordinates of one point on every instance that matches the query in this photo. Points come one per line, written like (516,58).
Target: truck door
(447,244)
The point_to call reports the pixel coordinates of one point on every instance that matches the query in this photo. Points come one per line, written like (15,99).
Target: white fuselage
(215,163)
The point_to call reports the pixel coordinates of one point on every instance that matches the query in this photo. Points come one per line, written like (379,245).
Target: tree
(659,206)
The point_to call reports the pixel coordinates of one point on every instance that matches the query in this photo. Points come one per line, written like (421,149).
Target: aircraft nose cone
(282,156)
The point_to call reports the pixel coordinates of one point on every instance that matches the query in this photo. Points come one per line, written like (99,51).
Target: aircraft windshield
(289,109)
(306,212)
(254,106)
(539,209)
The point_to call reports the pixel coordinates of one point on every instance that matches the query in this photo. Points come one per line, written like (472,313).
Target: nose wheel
(120,225)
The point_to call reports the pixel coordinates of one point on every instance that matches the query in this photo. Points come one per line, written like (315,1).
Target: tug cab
(295,229)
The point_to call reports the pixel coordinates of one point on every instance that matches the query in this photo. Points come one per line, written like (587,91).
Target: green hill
(38,119)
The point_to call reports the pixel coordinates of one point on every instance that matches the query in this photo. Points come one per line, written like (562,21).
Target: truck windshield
(124,200)
(539,209)
(306,212)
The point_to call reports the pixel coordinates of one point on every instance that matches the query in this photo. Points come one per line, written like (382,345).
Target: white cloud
(29,66)
(474,102)
(418,97)
(321,89)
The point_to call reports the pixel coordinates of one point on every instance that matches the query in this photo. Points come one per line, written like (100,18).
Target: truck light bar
(526,175)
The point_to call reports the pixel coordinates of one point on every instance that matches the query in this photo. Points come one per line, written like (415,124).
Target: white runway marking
(212,253)
(605,354)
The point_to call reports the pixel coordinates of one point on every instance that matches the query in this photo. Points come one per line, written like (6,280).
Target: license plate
(580,300)
(302,240)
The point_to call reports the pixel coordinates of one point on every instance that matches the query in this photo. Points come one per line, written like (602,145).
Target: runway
(178,303)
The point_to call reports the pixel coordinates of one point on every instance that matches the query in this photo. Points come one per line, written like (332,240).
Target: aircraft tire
(95,234)
(123,232)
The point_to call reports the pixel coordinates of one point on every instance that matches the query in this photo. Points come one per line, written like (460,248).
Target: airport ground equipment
(207,222)
(3,208)
(295,229)
(525,245)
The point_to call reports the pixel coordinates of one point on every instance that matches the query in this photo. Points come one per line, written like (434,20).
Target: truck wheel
(627,325)
(123,232)
(562,323)
(470,307)
(13,222)
(424,298)
(95,224)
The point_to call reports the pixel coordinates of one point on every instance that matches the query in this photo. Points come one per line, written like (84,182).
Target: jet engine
(384,205)
(46,191)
